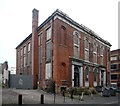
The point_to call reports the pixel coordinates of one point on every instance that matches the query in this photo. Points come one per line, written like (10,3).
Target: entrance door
(76,77)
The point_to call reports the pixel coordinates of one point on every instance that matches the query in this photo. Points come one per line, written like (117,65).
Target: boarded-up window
(76,39)
(48,51)
(94,57)
(48,33)
(86,55)
(76,53)
(48,73)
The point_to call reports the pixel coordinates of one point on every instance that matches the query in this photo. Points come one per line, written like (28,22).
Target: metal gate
(20,81)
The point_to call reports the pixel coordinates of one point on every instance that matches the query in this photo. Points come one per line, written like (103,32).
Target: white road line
(113,102)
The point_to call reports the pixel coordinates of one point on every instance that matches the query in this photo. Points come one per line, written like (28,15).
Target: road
(10,96)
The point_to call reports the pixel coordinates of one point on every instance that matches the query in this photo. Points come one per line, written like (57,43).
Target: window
(101,54)
(41,54)
(41,39)
(48,73)
(86,49)
(24,55)
(48,51)
(94,52)
(87,74)
(76,40)
(48,33)
(113,58)
(21,57)
(28,58)
(63,35)
(40,71)
(114,67)
(114,77)
(95,75)
(18,59)
(76,53)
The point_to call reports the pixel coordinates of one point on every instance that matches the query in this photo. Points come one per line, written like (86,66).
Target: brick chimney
(34,47)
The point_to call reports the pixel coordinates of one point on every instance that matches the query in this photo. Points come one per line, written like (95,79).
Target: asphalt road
(10,96)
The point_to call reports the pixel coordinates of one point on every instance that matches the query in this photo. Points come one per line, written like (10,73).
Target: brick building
(65,51)
(115,66)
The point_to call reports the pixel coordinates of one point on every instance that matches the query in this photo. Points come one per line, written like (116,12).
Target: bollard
(20,99)
(82,96)
(64,95)
(54,98)
(72,94)
(42,99)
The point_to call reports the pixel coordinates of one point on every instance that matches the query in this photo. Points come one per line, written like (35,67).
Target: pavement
(10,96)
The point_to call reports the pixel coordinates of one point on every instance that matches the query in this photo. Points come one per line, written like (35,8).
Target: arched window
(63,35)
(101,54)
(76,40)
(87,74)
(94,52)
(95,75)
(87,49)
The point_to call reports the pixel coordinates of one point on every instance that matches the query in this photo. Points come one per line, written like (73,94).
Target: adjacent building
(62,50)
(115,66)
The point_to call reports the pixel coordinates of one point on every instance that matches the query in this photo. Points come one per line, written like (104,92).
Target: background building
(115,66)
(62,50)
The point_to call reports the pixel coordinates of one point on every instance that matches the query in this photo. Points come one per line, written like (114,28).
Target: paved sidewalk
(10,96)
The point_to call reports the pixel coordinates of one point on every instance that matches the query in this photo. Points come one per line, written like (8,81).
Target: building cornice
(82,28)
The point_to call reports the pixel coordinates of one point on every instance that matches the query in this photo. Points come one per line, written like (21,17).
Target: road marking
(112,102)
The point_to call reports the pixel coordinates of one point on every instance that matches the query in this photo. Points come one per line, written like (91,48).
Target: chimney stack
(35,47)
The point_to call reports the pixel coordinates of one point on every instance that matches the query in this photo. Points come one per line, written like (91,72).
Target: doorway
(76,77)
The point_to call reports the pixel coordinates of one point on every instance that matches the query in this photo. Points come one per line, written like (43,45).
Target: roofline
(66,17)
(115,50)
(24,40)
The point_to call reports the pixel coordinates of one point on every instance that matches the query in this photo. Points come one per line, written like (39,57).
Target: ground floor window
(48,71)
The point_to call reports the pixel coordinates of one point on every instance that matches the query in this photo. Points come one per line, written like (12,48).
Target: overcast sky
(101,16)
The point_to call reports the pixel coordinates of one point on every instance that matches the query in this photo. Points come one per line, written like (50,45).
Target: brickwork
(62,54)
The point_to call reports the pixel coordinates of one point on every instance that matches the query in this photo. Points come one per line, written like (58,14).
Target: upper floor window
(21,52)
(113,58)
(28,58)
(41,39)
(48,33)
(101,54)
(95,52)
(86,49)
(114,67)
(48,51)
(76,40)
(28,47)
(24,50)
(24,55)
